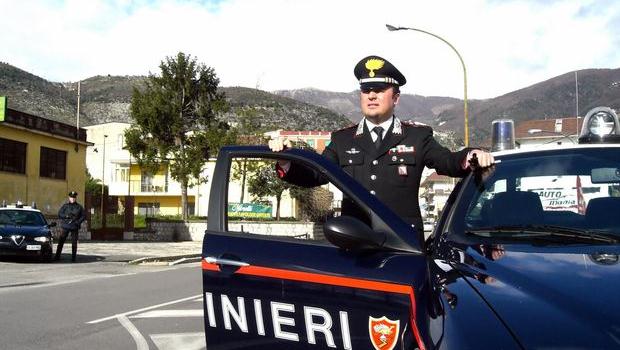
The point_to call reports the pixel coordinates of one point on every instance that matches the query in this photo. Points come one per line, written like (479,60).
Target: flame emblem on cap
(372,65)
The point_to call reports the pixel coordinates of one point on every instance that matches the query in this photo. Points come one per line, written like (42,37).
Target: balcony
(155,188)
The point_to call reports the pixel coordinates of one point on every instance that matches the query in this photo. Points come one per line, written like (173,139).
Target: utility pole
(103,182)
(78,109)
(577,104)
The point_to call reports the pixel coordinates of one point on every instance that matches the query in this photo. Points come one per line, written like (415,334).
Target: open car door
(342,284)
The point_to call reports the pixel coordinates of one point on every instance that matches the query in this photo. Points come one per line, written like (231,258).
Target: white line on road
(185,341)
(171,313)
(141,343)
(144,309)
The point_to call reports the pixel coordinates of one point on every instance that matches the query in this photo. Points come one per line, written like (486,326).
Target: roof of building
(305,133)
(548,127)
(39,124)
(434,177)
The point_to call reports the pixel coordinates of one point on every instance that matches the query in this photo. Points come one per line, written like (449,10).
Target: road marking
(141,343)
(144,309)
(185,341)
(171,313)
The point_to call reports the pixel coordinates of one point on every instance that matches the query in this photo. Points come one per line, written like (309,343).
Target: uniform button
(350,161)
(373,192)
(375,162)
(394,158)
(373,177)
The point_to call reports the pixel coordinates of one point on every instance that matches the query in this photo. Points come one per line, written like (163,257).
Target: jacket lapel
(363,139)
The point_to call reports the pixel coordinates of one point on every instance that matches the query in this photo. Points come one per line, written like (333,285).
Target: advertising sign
(249,210)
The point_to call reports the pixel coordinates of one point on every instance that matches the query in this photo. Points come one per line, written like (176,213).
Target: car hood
(24,230)
(550,297)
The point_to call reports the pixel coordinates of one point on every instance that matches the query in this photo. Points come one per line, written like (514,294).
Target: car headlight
(42,239)
(600,124)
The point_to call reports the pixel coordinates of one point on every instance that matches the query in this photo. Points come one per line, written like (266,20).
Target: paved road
(100,305)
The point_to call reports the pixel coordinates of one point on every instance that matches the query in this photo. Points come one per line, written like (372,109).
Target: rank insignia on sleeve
(383,332)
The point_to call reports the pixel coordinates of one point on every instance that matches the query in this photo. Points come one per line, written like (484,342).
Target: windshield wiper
(571,235)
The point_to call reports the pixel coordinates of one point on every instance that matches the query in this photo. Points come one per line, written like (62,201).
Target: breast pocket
(351,161)
(400,169)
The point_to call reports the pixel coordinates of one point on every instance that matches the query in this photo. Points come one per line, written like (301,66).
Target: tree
(250,134)
(265,183)
(175,121)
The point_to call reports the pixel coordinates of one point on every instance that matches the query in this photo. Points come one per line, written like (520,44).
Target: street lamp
(465,113)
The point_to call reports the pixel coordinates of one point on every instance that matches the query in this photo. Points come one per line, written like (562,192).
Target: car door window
(260,203)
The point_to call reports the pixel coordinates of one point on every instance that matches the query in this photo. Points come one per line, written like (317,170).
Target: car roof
(23,209)
(554,147)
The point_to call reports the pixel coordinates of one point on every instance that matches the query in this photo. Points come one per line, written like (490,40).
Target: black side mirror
(350,233)
(52,224)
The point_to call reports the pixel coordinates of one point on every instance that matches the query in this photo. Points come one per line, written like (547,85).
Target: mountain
(107,98)
(415,107)
(553,98)
(548,99)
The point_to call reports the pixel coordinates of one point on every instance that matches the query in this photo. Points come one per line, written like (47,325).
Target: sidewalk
(125,251)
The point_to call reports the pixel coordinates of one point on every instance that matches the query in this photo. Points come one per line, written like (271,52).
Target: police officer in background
(386,155)
(71,215)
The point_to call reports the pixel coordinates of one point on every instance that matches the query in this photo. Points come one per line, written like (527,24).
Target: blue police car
(524,256)
(24,231)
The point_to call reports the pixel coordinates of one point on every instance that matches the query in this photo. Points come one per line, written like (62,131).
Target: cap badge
(372,65)
(383,332)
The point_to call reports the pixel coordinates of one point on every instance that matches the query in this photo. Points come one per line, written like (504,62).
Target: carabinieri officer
(386,155)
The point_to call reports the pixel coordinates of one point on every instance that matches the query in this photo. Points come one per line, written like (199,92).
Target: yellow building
(41,160)
(154,194)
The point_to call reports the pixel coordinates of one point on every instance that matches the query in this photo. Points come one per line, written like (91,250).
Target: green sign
(2,108)
(249,210)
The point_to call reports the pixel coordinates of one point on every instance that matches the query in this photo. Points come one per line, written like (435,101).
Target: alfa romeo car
(524,256)
(24,231)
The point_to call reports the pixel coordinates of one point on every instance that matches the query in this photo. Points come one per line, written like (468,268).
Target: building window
(12,156)
(120,141)
(148,209)
(53,163)
(121,174)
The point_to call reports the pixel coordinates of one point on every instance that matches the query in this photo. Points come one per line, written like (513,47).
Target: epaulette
(346,127)
(415,124)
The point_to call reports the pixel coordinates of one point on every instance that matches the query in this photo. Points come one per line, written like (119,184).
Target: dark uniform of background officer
(384,154)
(71,215)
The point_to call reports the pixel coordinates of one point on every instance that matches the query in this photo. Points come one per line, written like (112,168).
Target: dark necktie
(379,131)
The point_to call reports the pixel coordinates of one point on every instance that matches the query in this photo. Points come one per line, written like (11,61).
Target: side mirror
(347,232)
(52,224)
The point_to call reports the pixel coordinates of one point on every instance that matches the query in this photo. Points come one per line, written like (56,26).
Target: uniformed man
(383,153)
(71,215)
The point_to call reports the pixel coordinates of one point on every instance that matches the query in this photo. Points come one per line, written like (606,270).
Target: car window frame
(400,235)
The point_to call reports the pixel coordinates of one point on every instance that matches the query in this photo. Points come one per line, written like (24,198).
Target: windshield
(21,217)
(576,189)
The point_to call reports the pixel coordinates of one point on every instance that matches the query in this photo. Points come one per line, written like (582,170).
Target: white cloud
(285,44)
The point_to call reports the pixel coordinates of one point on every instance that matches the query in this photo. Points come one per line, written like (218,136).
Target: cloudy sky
(290,44)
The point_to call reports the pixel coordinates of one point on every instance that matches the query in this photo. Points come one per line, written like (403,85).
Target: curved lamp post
(465,114)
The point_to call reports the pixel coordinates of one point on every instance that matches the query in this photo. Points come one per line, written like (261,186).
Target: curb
(172,260)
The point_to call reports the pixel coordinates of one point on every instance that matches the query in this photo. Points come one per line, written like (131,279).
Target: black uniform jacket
(72,215)
(392,172)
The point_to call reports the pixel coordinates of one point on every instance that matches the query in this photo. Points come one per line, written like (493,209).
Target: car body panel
(18,239)
(565,286)
(460,291)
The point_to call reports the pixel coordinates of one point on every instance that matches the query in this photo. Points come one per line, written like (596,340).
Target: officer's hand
(279,145)
(479,158)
